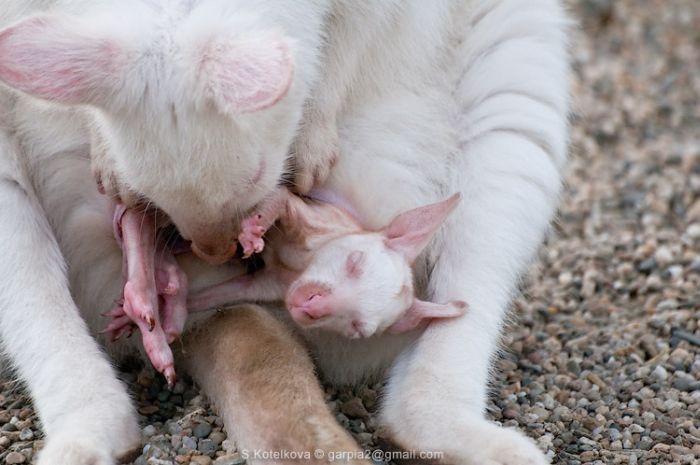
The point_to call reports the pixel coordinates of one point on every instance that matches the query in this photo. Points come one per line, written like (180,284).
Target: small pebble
(202,430)
(230,460)
(206,446)
(189,442)
(14,458)
(200,460)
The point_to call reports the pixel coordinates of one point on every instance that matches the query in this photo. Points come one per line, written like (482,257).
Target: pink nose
(309,303)
(214,254)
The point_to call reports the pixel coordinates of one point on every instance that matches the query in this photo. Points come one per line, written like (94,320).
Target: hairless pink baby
(331,272)
(155,289)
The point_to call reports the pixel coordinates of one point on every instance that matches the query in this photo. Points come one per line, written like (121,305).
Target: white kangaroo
(428,99)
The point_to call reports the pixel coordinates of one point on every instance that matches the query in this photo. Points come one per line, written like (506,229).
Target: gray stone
(202,430)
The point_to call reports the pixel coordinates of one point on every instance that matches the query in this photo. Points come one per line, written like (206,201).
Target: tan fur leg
(262,380)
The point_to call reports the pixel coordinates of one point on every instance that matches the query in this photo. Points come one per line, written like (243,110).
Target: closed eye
(353,264)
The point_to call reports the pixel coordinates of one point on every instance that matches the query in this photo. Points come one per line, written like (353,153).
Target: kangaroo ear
(58,58)
(246,74)
(411,231)
(422,312)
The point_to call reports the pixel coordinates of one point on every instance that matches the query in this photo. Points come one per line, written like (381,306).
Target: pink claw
(251,236)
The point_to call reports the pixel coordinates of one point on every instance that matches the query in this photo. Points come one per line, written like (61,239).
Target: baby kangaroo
(334,274)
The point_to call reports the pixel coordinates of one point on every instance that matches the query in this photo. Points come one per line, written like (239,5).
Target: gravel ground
(602,361)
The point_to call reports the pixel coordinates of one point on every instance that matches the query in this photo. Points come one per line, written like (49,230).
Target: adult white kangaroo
(402,104)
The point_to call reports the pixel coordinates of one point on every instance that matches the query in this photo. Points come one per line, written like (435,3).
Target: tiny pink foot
(171,284)
(251,236)
(151,282)
(119,325)
(158,351)
(137,230)
(139,309)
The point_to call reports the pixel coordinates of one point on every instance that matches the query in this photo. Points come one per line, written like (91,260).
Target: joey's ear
(246,74)
(59,58)
(411,231)
(422,312)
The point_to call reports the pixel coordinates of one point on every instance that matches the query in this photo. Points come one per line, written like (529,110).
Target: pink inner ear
(46,56)
(422,312)
(410,232)
(247,75)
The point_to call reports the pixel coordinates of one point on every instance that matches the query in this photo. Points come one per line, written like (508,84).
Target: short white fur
(445,96)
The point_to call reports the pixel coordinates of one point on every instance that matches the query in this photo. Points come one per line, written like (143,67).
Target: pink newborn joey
(332,273)
(155,289)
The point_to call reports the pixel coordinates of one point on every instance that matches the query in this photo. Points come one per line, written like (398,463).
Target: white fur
(87,419)
(374,300)
(447,96)
(164,95)
(499,138)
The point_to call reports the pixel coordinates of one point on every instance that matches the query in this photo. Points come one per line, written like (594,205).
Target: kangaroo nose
(315,309)
(310,313)
(214,254)
(309,303)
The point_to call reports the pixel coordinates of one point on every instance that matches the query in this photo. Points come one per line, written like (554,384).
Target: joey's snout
(309,303)
(314,305)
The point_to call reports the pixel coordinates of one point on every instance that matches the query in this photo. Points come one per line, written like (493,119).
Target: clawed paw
(251,236)
(315,151)
(120,324)
(104,170)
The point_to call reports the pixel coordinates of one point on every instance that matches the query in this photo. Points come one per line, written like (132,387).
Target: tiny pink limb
(127,330)
(116,311)
(135,231)
(171,284)
(156,346)
(265,286)
(251,236)
(138,236)
(255,226)
(158,351)
(117,324)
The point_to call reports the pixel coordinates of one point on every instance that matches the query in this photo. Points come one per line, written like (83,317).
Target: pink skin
(306,229)
(255,226)
(421,313)
(309,303)
(171,283)
(137,237)
(155,290)
(154,280)
(251,236)
(57,78)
